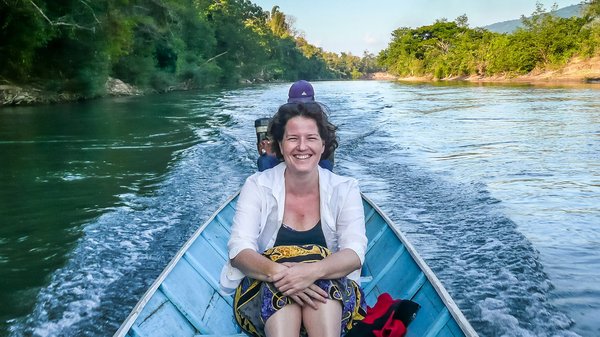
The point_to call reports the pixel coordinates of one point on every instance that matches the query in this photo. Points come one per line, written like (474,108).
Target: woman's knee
(325,320)
(285,322)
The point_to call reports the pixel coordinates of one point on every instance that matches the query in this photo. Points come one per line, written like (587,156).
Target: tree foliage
(76,45)
(448,49)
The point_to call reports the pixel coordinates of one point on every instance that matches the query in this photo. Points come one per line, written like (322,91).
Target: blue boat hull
(185,299)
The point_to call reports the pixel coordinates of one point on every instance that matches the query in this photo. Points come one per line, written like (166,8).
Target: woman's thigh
(325,321)
(285,322)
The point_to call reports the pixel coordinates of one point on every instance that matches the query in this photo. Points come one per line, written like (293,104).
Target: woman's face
(301,145)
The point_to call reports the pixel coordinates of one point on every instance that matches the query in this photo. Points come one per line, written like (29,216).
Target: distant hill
(512,25)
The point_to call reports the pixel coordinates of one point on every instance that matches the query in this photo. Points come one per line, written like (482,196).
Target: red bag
(388,318)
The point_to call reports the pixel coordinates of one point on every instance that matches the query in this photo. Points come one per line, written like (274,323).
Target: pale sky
(355,26)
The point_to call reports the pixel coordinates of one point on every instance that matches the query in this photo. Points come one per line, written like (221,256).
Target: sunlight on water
(497,188)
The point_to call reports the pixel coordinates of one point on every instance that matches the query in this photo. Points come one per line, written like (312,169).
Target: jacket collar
(274,179)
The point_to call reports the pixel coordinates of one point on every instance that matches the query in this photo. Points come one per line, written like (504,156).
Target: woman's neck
(301,183)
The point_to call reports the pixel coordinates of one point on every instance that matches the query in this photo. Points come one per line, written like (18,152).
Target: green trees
(442,49)
(76,45)
(23,31)
(448,49)
(591,29)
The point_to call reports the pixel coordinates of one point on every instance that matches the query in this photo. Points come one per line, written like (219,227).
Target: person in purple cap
(300,92)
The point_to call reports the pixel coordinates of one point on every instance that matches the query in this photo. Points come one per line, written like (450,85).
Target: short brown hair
(312,110)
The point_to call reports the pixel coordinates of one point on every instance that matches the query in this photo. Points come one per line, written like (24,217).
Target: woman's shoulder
(268,177)
(334,179)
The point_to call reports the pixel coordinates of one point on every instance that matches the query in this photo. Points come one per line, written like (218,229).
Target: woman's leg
(285,322)
(326,321)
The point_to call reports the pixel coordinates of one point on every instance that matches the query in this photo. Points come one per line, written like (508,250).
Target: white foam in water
(72,176)
(393,143)
(122,251)
(76,290)
(497,313)
(491,270)
(110,248)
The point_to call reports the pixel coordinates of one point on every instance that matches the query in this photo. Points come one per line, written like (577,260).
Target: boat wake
(122,251)
(490,269)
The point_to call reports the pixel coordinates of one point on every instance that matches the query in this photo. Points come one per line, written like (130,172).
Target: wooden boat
(185,299)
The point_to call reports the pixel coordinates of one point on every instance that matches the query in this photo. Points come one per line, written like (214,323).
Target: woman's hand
(309,295)
(297,277)
(297,281)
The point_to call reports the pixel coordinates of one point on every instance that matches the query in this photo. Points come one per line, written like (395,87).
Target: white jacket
(259,214)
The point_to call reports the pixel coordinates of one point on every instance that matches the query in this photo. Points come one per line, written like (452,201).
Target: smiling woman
(287,216)
(302,135)
(301,145)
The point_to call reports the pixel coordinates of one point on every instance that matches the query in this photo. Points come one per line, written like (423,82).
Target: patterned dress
(256,301)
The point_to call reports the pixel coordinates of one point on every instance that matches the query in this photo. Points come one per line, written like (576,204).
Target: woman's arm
(300,276)
(245,230)
(256,266)
(350,227)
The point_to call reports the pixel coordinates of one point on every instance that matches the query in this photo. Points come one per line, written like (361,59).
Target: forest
(450,49)
(77,46)
(160,45)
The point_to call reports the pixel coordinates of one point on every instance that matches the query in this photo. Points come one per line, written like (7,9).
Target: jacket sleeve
(244,234)
(246,222)
(351,222)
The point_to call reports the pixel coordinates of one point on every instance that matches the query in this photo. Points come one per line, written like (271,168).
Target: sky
(355,26)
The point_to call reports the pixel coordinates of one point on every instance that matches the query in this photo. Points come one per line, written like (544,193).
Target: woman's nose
(302,144)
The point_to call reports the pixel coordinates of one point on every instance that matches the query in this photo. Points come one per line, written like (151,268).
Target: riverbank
(15,95)
(576,72)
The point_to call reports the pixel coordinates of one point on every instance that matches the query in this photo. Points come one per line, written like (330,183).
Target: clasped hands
(297,280)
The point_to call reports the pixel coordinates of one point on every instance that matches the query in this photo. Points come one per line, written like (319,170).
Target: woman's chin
(301,166)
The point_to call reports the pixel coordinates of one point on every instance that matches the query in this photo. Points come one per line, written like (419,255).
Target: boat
(185,299)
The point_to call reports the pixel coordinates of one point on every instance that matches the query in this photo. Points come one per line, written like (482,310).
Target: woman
(298,236)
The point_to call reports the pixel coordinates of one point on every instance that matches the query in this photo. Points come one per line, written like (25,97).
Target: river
(497,187)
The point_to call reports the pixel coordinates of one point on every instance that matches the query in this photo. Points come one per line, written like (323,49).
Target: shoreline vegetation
(576,73)
(53,53)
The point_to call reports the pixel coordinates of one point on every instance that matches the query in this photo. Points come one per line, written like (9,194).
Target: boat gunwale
(454,310)
(137,309)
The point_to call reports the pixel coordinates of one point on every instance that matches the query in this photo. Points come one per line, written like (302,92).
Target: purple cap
(301,91)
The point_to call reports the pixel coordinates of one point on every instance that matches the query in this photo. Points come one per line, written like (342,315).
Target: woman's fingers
(317,293)
(297,299)
(308,301)
(303,299)
(297,277)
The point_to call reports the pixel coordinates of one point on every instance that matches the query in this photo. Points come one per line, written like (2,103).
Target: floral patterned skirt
(256,301)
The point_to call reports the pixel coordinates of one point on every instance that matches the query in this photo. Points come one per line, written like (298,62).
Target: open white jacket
(259,214)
